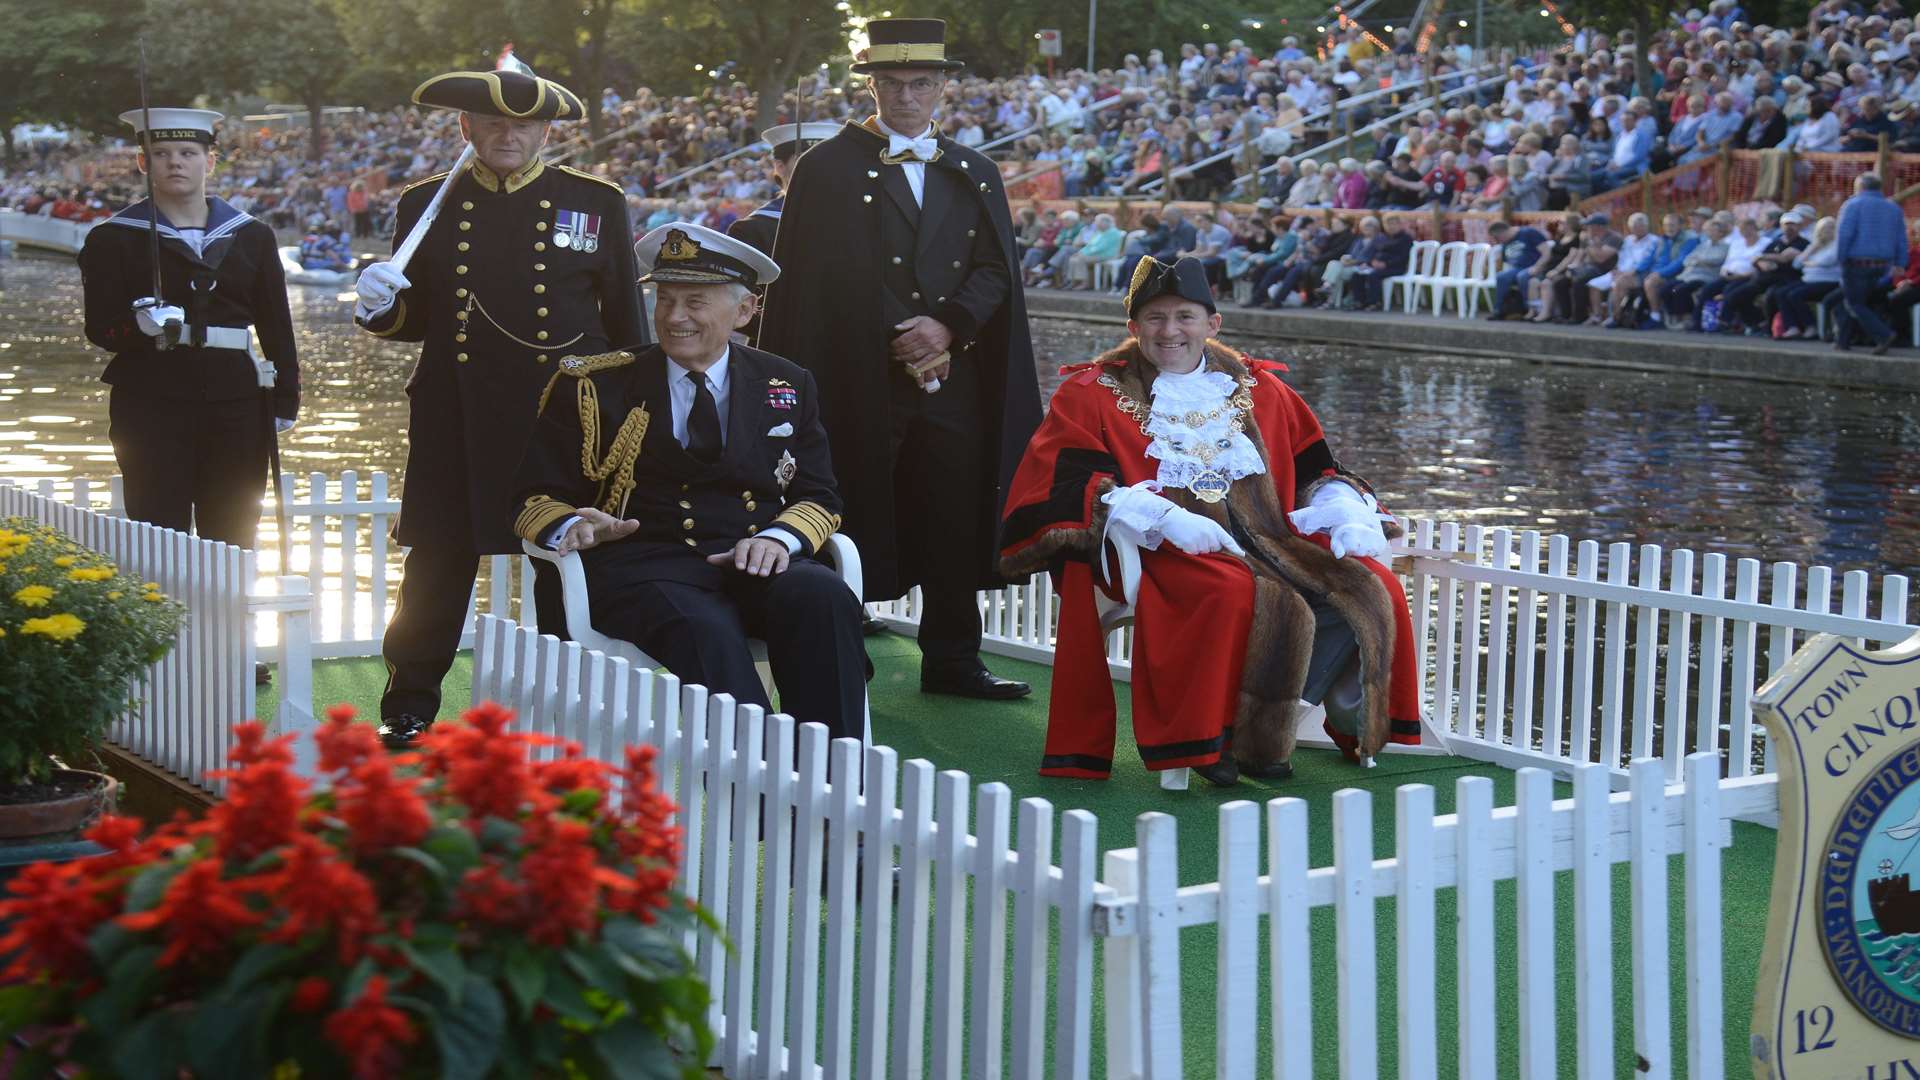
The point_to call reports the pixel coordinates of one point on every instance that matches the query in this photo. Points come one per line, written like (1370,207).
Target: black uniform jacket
(760,227)
(235,281)
(775,470)
(826,314)
(514,274)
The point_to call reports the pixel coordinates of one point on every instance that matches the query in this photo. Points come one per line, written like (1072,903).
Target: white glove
(377,287)
(1350,520)
(1196,535)
(153,315)
(282,425)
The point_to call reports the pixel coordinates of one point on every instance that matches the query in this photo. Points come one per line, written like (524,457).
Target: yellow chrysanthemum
(65,561)
(152,597)
(33,596)
(90,573)
(61,627)
(114,595)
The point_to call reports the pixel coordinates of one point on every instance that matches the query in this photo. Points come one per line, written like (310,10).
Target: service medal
(590,244)
(562,240)
(1210,486)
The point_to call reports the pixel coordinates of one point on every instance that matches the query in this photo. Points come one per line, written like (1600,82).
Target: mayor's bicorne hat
(501,93)
(1153,279)
(905,43)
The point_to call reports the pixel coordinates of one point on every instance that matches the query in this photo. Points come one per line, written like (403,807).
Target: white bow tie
(927,149)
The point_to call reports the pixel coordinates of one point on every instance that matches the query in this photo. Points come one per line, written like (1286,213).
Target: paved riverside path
(1645,350)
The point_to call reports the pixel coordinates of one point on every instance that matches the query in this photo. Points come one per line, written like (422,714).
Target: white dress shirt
(916,170)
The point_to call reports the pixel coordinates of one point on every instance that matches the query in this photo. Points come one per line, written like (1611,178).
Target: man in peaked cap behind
(526,263)
(694,480)
(898,252)
(789,141)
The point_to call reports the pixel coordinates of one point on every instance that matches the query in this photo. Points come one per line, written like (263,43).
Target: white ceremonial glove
(153,315)
(1197,535)
(1350,520)
(282,425)
(376,288)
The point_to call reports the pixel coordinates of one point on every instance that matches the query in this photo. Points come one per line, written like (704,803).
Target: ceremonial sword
(171,331)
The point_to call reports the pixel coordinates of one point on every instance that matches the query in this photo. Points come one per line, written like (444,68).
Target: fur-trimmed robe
(1221,643)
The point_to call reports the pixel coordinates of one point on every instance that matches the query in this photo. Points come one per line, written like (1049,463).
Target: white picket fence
(953,974)
(183,712)
(1534,649)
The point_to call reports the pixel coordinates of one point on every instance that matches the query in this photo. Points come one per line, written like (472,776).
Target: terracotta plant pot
(82,796)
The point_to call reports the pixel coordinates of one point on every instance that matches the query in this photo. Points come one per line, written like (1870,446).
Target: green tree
(292,46)
(74,63)
(771,45)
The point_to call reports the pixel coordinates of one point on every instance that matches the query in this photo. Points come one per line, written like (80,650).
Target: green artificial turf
(1000,741)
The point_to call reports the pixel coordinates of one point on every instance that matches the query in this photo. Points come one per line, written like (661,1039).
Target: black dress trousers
(936,437)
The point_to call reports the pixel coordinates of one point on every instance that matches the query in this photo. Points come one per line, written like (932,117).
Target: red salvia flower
(488,896)
(370,1033)
(343,742)
(560,870)
(199,913)
(320,892)
(52,911)
(310,995)
(381,811)
(264,797)
(485,768)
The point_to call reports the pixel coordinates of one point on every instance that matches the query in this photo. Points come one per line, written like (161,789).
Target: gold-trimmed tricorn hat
(905,43)
(501,93)
(682,253)
(1152,279)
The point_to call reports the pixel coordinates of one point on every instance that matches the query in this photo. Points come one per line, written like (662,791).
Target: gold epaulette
(434,179)
(580,367)
(570,170)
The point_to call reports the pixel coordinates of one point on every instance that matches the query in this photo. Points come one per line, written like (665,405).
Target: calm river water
(1751,469)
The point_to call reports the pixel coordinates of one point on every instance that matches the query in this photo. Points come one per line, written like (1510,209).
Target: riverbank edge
(1758,359)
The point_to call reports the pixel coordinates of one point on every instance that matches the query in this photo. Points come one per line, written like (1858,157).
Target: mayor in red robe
(1262,573)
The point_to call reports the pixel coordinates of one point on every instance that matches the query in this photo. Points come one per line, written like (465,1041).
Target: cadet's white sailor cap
(688,254)
(174,125)
(788,139)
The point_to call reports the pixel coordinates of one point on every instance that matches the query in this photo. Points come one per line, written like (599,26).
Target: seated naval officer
(693,478)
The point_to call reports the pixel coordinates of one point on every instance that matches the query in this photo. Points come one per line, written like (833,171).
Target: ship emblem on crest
(1869,910)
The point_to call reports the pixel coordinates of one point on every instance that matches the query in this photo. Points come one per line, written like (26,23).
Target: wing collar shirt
(916,170)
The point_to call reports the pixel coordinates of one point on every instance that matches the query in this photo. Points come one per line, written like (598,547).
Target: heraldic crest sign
(1839,987)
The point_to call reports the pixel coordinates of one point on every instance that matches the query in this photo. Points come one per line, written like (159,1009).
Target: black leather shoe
(1279,770)
(1222,773)
(870,626)
(400,732)
(978,683)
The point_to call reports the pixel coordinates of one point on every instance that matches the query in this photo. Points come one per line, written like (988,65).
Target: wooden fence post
(1883,159)
(1786,185)
(1646,194)
(1723,178)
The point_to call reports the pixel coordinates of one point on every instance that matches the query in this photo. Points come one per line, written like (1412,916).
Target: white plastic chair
(1422,264)
(1449,268)
(1482,264)
(1115,614)
(839,553)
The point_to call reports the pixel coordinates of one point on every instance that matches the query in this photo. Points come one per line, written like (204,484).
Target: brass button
(687,524)
(896,260)
(463,316)
(683,487)
(463,245)
(462,358)
(939,299)
(459,337)
(461,269)
(744,494)
(466,205)
(690,542)
(540,245)
(751,505)
(956,264)
(541,334)
(866,198)
(916,296)
(963,164)
(970,232)
(540,225)
(545,205)
(460,293)
(465,225)
(685,505)
(541,359)
(539,266)
(983,187)
(539,288)
(752,529)
(542,312)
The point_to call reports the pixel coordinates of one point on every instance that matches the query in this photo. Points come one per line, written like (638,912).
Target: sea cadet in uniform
(527,262)
(693,478)
(188,418)
(789,141)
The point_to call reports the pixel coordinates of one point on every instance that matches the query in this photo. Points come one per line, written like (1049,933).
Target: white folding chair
(1450,267)
(1420,268)
(839,553)
(1482,264)
(1115,614)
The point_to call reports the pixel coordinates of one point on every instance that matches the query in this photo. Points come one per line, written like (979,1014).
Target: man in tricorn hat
(1259,580)
(694,479)
(189,422)
(900,279)
(527,262)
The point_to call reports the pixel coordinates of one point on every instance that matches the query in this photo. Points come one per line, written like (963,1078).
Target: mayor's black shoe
(262,674)
(1222,773)
(1279,770)
(1880,347)
(978,683)
(401,732)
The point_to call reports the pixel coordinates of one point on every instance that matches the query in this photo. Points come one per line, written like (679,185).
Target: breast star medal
(785,471)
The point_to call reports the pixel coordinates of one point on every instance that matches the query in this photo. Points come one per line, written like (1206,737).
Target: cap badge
(679,247)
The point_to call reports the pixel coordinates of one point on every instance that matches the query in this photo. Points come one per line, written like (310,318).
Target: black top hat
(501,93)
(1153,279)
(905,43)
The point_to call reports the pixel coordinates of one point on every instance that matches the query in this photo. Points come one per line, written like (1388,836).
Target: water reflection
(1752,469)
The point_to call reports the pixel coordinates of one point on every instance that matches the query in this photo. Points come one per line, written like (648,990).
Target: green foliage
(74,633)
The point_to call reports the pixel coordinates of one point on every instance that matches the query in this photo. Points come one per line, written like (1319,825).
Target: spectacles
(893,87)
